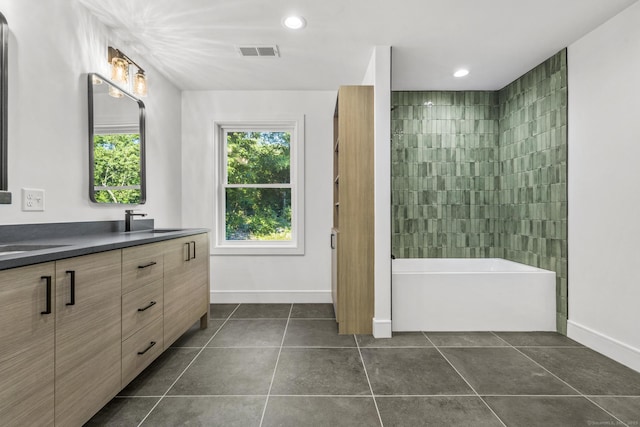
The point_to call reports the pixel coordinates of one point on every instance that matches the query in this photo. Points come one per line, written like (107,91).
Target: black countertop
(66,240)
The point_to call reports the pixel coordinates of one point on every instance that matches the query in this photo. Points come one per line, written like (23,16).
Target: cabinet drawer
(139,350)
(141,265)
(141,307)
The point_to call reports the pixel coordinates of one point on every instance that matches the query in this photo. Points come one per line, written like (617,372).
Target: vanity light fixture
(294,22)
(120,74)
(461,73)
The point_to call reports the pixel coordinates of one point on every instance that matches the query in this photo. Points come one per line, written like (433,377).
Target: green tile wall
(445,157)
(484,174)
(533,173)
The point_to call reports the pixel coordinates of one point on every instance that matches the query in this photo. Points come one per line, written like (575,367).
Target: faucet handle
(133,212)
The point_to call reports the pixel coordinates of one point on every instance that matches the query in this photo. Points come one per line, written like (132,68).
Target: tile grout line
(464,379)
(366,374)
(366,396)
(188,366)
(275,368)
(563,381)
(372,346)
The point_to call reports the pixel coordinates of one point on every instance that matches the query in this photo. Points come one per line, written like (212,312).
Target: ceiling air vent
(267,51)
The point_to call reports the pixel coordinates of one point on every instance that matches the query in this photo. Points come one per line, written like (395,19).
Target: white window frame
(295,246)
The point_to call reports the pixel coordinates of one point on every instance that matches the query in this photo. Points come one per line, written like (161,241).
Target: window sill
(246,249)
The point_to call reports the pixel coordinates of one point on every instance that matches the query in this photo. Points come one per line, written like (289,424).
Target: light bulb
(120,71)
(140,84)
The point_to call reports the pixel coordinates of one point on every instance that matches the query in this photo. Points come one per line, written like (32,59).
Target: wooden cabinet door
(186,285)
(88,335)
(27,346)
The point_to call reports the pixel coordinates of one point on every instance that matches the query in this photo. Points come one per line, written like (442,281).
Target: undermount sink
(18,248)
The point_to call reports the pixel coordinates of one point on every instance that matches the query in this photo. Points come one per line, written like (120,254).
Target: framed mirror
(5,195)
(116,144)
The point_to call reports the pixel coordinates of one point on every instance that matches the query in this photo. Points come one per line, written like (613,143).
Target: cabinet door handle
(151,344)
(188,251)
(72,288)
(151,304)
(48,287)
(194,249)
(333,245)
(147,265)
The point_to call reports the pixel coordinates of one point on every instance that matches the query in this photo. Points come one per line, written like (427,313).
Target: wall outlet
(32,199)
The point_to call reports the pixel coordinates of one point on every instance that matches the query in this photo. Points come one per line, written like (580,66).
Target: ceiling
(194,42)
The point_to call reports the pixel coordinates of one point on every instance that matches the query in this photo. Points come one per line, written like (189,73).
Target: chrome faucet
(128,218)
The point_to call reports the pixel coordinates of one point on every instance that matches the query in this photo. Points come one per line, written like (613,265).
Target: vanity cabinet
(88,335)
(75,331)
(186,285)
(27,336)
(353,211)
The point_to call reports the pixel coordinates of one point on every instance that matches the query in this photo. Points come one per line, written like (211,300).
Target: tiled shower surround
(480,174)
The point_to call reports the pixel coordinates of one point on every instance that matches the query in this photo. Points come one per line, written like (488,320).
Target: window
(259,184)
(116,159)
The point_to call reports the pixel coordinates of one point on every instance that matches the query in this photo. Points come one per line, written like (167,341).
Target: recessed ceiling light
(294,22)
(461,73)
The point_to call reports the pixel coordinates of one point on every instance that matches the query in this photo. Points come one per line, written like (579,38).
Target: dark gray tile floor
(285,365)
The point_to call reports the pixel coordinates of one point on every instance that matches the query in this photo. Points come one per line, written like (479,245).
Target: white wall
(52,47)
(604,199)
(378,74)
(256,278)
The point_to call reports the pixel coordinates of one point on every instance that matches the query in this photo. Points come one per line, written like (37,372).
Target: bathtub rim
(515,267)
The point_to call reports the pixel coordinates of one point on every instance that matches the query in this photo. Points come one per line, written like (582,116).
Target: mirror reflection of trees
(258,206)
(117,168)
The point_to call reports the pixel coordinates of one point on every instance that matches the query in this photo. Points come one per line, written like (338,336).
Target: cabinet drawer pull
(188,251)
(151,344)
(151,304)
(72,293)
(147,265)
(48,287)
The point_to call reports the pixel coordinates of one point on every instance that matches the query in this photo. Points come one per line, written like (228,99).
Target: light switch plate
(32,199)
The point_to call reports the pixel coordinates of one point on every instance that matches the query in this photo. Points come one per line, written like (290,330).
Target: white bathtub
(431,294)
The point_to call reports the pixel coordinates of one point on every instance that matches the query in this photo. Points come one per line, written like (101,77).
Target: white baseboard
(262,297)
(381,328)
(610,347)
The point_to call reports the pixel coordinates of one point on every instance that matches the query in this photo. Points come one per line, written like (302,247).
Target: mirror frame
(5,195)
(143,169)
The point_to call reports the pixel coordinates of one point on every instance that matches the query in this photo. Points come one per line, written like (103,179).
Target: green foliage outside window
(258,213)
(117,164)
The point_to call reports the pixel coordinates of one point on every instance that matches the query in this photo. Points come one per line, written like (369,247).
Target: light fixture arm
(117,53)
